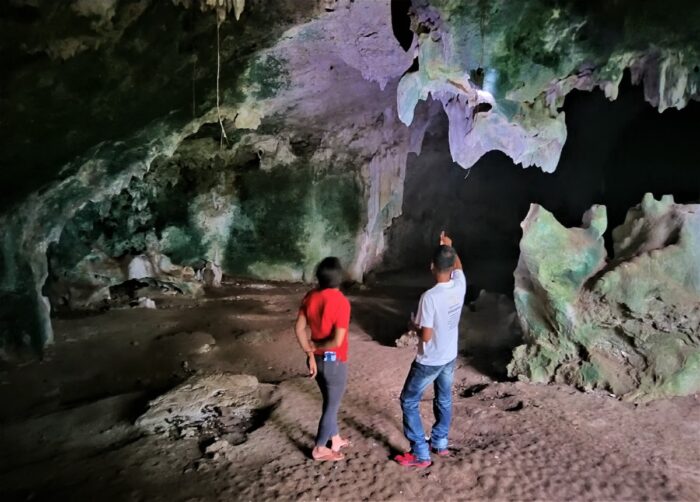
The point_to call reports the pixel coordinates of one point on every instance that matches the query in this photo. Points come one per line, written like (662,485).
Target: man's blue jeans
(417,381)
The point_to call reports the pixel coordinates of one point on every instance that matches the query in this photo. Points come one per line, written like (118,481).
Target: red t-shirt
(325,310)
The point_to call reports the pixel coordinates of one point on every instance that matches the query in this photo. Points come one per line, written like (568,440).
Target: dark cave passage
(615,153)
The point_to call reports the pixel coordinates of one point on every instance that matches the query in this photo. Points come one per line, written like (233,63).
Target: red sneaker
(408,459)
(440,452)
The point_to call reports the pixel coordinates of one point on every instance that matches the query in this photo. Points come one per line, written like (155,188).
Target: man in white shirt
(439,312)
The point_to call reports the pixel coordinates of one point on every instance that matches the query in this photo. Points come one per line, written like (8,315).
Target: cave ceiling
(79,73)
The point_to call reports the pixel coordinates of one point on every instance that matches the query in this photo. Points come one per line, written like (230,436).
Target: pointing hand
(444,239)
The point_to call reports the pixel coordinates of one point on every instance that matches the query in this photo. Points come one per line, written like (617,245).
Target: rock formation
(220,404)
(302,111)
(501,69)
(212,275)
(631,324)
(262,135)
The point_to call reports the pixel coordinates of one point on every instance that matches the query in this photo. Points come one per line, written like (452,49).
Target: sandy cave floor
(66,423)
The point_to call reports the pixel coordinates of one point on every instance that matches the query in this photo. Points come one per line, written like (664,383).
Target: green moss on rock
(291,217)
(267,75)
(630,325)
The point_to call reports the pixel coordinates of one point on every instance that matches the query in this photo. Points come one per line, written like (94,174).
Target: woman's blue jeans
(417,381)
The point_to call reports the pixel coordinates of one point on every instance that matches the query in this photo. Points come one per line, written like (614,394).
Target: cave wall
(300,82)
(224,206)
(91,95)
(95,93)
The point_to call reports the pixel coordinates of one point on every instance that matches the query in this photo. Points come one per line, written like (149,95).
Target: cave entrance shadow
(401,22)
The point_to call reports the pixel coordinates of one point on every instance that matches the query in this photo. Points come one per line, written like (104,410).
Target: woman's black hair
(329,273)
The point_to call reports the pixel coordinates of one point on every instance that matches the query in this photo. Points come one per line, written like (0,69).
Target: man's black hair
(444,258)
(329,273)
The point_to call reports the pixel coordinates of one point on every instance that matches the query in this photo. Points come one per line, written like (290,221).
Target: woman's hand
(313,369)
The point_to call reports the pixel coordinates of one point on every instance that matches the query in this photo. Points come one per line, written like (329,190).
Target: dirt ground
(67,422)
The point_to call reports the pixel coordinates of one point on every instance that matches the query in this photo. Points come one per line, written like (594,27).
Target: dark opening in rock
(473,390)
(401,22)
(482,108)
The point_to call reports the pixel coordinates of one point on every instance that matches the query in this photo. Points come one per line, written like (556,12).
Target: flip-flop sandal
(347,444)
(334,456)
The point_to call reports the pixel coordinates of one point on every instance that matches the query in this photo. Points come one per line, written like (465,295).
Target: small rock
(145,303)
(217,448)
(211,275)
(408,339)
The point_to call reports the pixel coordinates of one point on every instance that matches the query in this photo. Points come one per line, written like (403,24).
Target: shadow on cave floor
(383,318)
(490,363)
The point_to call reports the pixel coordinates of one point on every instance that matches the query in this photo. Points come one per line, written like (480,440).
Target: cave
(210,208)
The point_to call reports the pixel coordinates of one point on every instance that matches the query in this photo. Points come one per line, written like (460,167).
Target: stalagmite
(630,324)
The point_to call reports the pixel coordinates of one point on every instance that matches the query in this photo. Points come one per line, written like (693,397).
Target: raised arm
(445,240)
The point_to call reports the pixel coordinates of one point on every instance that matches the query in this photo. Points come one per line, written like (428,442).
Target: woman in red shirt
(326,311)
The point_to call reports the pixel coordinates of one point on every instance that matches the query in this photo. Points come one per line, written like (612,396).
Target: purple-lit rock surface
(312,162)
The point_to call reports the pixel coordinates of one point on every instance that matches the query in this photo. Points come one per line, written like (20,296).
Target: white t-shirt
(440,309)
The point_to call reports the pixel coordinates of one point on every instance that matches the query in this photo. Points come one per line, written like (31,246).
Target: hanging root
(218,78)
(194,88)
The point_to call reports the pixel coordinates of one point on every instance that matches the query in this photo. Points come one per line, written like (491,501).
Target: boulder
(145,303)
(219,403)
(408,339)
(85,285)
(140,267)
(630,325)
